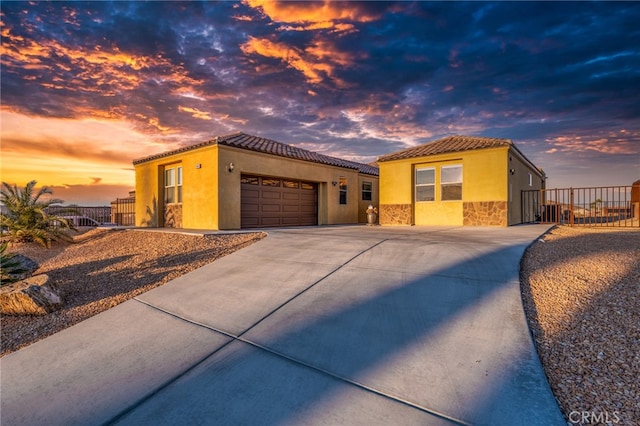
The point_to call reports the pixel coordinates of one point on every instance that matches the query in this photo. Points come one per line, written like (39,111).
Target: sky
(87,87)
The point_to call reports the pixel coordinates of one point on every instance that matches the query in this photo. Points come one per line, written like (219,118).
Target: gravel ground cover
(106,267)
(580,288)
(581,292)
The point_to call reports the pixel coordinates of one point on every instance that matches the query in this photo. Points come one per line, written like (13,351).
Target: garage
(268,201)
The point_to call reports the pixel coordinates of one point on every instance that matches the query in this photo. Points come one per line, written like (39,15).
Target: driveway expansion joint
(286,357)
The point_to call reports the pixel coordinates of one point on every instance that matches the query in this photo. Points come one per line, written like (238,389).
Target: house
(241,181)
(457,180)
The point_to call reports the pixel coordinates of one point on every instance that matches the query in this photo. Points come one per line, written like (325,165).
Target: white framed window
(530,179)
(173,185)
(451,183)
(367,189)
(426,184)
(343,190)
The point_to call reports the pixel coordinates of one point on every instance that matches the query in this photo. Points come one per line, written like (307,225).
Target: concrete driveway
(346,325)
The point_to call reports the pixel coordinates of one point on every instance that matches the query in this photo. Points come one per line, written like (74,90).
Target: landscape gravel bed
(581,293)
(106,267)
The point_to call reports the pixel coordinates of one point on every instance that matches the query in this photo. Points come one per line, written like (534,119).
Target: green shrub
(27,219)
(10,267)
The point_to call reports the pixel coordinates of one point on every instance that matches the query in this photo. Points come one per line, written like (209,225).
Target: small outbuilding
(457,180)
(242,181)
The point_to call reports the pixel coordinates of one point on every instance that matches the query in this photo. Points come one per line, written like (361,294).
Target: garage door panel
(250,192)
(271,221)
(250,208)
(271,208)
(250,222)
(295,196)
(271,195)
(273,201)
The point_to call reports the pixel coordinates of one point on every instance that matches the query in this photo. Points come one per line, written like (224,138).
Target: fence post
(571,207)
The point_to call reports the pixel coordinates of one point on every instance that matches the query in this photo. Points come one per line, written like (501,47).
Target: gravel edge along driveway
(581,293)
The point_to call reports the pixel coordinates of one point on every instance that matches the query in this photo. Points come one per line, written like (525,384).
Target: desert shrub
(10,267)
(26,218)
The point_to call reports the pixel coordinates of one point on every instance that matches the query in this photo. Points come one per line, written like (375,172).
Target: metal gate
(595,206)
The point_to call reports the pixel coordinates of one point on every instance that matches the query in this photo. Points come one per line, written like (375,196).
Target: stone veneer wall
(173,216)
(396,214)
(485,213)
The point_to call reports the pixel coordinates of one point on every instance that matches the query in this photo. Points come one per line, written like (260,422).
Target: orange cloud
(615,142)
(317,14)
(195,112)
(97,70)
(316,63)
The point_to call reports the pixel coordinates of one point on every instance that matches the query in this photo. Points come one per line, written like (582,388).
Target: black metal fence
(595,206)
(82,216)
(123,211)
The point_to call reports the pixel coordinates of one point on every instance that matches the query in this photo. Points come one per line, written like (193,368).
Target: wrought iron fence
(123,211)
(594,206)
(81,215)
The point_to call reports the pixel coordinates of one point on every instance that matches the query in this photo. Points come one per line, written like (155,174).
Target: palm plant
(27,219)
(10,267)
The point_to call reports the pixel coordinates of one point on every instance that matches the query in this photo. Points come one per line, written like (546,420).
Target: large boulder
(32,296)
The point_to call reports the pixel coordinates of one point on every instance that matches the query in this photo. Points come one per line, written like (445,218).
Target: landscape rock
(32,296)
(27,264)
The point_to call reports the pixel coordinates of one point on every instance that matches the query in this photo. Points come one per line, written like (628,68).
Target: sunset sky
(88,87)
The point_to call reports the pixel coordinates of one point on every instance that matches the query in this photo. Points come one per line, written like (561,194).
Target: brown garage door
(272,201)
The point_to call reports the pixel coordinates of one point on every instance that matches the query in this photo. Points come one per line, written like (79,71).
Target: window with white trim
(173,185)
(530,179)
(426,184)
(451,183)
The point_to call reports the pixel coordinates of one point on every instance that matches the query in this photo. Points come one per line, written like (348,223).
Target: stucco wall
(199,189)
(211,193)
(329,210)
(484,179)
(518,180)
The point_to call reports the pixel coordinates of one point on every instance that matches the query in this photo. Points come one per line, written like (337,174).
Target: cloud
(315,15)
(195,112)
(102,83)
(314,63)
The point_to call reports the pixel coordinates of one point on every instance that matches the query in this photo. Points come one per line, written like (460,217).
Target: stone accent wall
(485,213)
(173,216)
(395,214)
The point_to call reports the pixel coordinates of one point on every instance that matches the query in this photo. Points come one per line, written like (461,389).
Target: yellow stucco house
(242,181)
(457,180)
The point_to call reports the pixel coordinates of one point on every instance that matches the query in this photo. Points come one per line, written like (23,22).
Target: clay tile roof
(455,143)
(268,146)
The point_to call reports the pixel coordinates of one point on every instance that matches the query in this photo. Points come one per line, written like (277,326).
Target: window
(343,190)
(530,179)
(173,185)
(367,188)
(249,180)
(179,184)
(425,184)
(451,181)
